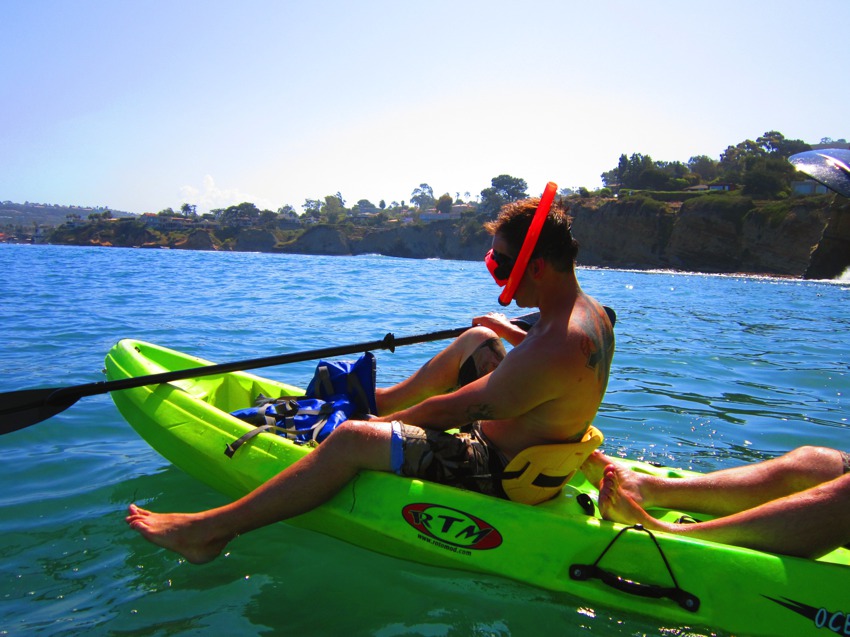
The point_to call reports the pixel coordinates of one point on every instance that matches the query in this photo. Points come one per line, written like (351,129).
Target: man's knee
(817,463)
(362,443)
(353,433)
(479,333)
(812,455)
(488,353)
(473,338)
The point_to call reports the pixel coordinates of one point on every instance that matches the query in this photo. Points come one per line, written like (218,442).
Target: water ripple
(710,372)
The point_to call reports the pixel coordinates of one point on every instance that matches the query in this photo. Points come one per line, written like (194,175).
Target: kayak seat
(537,474)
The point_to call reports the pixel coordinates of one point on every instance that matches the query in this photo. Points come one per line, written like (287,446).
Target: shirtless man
(793,505)
(547,390)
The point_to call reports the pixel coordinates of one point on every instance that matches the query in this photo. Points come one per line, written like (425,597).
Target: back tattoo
(597,345)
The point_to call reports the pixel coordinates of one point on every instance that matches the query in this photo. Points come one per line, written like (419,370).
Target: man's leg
(440,375)
(810,523)
(308,483)
(729,490)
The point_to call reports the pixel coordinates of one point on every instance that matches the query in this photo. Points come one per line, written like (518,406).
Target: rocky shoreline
(808,237)
(809,240)
(805,238)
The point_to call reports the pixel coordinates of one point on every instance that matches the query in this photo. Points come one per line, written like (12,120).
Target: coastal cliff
(439,239)
(807,237)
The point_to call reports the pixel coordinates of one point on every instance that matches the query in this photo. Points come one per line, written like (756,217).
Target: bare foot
(594,469)
(617,505)
(183,533)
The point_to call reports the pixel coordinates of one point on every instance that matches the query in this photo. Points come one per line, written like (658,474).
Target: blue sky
(144,105)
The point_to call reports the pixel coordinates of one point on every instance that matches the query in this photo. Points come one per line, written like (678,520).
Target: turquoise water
(710,372)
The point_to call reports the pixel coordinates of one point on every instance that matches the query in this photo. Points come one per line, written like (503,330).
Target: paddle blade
(19,409)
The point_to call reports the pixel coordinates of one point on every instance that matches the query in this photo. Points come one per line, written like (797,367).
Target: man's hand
(502,326)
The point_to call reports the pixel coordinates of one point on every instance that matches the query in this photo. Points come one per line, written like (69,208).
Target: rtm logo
(451,526)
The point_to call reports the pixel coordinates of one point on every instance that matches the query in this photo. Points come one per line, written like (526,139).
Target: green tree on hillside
(704,167)
(775,143)
(423,196)
(760,166)
(366,206)
(628,172)
(235,215)
(503,189)
(268,218)
(768,178)
(334,207)
(334,204)
(736,160)
(312,208)
(444,204)
(653,178)
(642,173)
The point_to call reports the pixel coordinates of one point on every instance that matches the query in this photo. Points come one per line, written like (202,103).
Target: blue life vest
(339,390)
(302,420)
(355,381)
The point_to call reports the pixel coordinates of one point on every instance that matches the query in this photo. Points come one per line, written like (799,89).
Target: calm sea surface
(710,372)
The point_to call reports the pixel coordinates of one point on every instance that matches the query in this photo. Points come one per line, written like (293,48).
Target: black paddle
(829,166)
(19,409)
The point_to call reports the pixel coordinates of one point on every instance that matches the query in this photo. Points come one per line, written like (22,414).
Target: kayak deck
(188,422)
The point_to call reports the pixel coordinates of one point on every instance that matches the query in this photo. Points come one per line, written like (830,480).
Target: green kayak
(560,545)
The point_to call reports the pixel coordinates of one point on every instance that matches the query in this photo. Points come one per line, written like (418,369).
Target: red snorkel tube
(529,243)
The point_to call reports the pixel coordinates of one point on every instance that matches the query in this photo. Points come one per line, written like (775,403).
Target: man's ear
(536,267)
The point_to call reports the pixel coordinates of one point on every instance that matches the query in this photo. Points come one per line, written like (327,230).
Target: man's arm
(528,376)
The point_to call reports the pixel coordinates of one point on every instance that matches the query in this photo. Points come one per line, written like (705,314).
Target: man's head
(555,243)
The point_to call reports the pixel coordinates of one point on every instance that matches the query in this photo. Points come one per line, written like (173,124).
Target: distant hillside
(806,237)
(25,214)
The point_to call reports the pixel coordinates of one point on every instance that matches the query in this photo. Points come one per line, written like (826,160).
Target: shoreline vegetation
(748,213)
(801,237)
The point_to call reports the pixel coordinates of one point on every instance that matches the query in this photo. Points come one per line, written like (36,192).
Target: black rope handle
(583,572)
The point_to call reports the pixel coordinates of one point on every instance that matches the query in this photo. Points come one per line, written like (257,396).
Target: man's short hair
(555,243)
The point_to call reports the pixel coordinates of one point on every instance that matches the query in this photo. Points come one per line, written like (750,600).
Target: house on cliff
(808,187)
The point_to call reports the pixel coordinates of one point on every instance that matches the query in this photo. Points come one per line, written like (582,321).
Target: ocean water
(710,372)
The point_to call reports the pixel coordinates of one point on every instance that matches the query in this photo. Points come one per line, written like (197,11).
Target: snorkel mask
(500,266)
(508,272)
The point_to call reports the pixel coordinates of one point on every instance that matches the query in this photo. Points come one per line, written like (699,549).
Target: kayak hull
(676,580)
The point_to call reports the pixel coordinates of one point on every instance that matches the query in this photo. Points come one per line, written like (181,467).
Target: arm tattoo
(479,412)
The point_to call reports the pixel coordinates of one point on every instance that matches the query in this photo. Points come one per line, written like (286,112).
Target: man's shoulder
(568,335)
(591,317)
(551,341)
